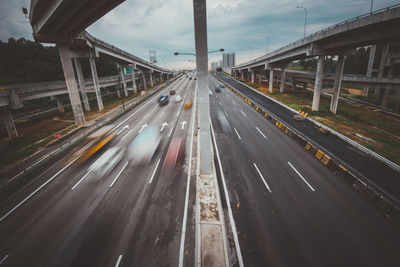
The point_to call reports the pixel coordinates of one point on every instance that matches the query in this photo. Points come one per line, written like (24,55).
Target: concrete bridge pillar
(385,52)
(59,102)
(242,75)
(318,83)
(282,88)
(252,77)
(271,80)
(293,84)
(72,86)
(121,71)
(133,78)
(369,68)
(96,81)
(81,81)
(144,81)
(8,120)
(151,79)
(15,101)
(337,84)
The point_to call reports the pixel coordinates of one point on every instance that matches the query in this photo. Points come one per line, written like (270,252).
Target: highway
(66,216)
(289,209)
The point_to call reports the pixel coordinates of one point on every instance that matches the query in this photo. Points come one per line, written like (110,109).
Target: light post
(305,18)
(372,4)
(267,37)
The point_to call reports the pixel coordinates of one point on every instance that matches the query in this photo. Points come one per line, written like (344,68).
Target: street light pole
(372,4)
(305,18)
(200,36)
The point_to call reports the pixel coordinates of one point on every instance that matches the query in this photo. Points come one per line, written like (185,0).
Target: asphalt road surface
(289,209)
(66,216)
(375,173)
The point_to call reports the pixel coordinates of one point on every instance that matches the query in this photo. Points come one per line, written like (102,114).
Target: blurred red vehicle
(174,154)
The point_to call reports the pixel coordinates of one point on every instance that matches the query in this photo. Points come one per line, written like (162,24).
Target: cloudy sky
(241,26)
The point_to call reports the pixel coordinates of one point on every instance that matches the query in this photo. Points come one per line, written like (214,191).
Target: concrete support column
(242,75)
(318,83)
(96,82)
(8,120)
(71,85)
(293,84)
(144,81)
(60,105)
(382,62)
(15,101)
(133,78)
(151,79)
(369,68)
(337,84)
(271,80)
(282,88)
(123,80)
(252,77)
(81,81)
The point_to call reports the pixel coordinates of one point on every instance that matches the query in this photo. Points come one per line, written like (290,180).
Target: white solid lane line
(226,114)
(183,234)
(118,261)
(81,180)
(262,177)
(119,174)
(37,190)
(126,134)
(227,199)
(5,257)
(243,113)
(261,132)
(170,132)
(154,172)
(301,176)
(237,133)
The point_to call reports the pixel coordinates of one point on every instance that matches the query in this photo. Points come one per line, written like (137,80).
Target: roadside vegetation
(354,121)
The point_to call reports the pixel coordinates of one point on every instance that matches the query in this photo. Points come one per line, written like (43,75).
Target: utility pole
(200,36)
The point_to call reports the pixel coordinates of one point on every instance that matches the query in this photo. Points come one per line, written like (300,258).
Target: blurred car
(178,98)
(174,155)
(144,146)
(195,78)
(163,100)
(107,162)
(222,85)
(217,89)
(172,92)
(190,78)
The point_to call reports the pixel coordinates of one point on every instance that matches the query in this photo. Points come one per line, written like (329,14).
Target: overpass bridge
(63,22)
(342,39)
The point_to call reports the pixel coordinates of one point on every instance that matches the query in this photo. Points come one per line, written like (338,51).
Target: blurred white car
(143,147)
(178,98)
(107,162)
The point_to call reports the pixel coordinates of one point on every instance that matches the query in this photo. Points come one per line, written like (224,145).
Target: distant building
(216,64)
(153,56)
(228,61)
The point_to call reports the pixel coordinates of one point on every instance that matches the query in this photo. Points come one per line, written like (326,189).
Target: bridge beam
(271,80)
(337,84)
(318,83)
(72,86)
(6,116)
(96,81)
(81,80)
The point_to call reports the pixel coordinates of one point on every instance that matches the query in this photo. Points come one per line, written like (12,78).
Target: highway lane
(289,209)
(375,173)
(84,220)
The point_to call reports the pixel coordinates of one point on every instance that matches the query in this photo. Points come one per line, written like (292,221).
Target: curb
(388,208)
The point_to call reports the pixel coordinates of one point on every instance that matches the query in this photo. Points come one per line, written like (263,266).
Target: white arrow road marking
(183,124)
(125,127)
(143,126)
(162,126)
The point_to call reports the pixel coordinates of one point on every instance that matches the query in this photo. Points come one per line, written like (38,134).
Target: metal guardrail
(318,32)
